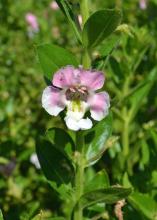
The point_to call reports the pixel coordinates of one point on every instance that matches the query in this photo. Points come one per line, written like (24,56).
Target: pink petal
(66,77)
(92,79)
(32,21)
(53,100)
(99,104)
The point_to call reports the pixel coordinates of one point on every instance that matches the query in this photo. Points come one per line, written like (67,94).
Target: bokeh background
(24,191)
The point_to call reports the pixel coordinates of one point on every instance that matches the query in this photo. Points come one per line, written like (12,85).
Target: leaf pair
(97,28)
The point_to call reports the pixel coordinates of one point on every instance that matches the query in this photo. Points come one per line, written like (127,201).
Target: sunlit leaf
(96,138)
(99,181)
(100,25)
(53,57)
(144,204)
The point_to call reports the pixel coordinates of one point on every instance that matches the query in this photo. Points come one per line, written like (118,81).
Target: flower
(31,19)
(80,19)
(34,160)
(54,6)
(143,4)
(74,89)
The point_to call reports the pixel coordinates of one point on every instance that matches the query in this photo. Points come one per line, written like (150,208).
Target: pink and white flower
(75,89)
(31,19)
(143,4)
(54,6)
(80,19)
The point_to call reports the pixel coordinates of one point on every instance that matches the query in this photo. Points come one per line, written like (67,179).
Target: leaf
(109,44)
(145,153)
(68,12)
(144,204)
(108,195)
(53,162)
(99,181)
(137,97)
(99,26)
(61,140)
(96,138)
(53,57)
(1,215)
(116,68)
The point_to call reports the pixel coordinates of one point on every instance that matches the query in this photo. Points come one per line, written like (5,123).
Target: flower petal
(66,77)
(99,104)
(53,100)
(71,123)
(85,124)
(92,79)
(75,125)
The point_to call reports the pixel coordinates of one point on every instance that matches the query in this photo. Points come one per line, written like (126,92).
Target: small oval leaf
(99,26)
(53,57)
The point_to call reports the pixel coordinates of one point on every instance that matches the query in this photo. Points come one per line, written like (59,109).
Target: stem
(125,138)
(79,178)
(86,61)
(125,132)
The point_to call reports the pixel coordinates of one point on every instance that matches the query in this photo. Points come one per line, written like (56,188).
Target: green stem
(125,138)
(86,61)
(79,178)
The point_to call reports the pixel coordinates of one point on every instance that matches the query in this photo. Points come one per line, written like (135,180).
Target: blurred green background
(24,191)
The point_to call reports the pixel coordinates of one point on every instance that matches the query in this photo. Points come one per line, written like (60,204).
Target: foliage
(128,57)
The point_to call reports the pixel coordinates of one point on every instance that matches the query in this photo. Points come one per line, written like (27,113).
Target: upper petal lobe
(66,77)
(92,79)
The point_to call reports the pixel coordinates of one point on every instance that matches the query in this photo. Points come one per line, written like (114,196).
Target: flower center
(77,94)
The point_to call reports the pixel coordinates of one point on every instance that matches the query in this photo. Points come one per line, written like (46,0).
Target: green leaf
(108,195)
(61,140)
(1,215)
(109,44)
(144,204)
(53,162)
(138,96)
(99,26)
(96,138)
(116,68)
(145,154)
(53,57)
(99,181)
(68,12)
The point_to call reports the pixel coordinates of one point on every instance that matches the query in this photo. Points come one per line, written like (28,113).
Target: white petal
(98,115)
(52,100)
(34,160)
(85,124)
(76,110)
(71,123)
